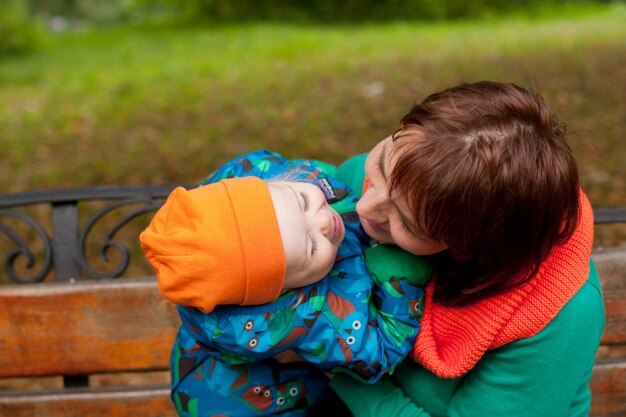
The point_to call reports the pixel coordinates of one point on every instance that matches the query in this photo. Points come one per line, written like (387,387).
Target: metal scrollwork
(24,251)
(109,242)
(64,255)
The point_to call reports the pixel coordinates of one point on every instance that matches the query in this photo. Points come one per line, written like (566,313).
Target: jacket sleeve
(357,327)
(354,327)
(365,338)
(262,163)
(238,334)
(394,310)
(267,165)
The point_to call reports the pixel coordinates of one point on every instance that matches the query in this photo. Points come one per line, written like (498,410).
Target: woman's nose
(373,205)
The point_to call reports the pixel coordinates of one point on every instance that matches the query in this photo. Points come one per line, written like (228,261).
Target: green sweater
(545,375)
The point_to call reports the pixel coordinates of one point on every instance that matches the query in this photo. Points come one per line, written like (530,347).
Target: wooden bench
(106,343)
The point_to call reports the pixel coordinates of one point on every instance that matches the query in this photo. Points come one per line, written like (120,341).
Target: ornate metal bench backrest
(64,248)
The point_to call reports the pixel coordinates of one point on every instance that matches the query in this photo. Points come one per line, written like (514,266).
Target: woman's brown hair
(485,168)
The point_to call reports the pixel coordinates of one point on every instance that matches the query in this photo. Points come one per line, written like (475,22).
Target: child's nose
(324,220)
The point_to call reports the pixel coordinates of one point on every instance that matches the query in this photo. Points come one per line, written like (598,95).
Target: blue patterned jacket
(352,321)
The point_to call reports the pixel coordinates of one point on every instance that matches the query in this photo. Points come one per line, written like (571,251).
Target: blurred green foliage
(87,12)
(19,32)
(97,12)
(330,11)
(22,22)
(149,105)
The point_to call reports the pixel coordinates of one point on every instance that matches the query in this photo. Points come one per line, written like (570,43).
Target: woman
(480,177)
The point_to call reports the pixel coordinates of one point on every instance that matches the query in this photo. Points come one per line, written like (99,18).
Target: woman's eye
(417,232)
(406,227)
(380,164)
(307,200)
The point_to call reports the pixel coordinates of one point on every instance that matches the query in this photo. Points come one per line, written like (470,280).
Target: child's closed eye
(307,200)
(313,245)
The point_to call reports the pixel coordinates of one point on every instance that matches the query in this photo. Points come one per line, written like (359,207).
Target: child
(250,231)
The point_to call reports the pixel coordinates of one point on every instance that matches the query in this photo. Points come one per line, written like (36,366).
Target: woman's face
(386,218)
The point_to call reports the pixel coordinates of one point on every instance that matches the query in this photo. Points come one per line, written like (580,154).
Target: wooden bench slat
(611,264)
(94,402)
(126,325)
(608,386)
(85,328)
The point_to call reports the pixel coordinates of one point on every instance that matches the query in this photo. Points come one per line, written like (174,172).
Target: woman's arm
(546,374)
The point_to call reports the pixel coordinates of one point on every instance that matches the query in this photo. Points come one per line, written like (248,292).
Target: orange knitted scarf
(452,340)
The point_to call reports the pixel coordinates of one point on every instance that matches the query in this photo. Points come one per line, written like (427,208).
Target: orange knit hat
(217,244)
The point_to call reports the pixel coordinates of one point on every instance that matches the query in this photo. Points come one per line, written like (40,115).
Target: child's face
(310,229)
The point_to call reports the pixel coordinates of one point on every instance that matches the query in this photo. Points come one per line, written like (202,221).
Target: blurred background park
(99,92)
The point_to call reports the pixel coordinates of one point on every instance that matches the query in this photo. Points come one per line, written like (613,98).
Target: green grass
(135,106)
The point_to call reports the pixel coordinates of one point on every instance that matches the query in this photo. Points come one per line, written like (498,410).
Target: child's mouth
(337,227)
